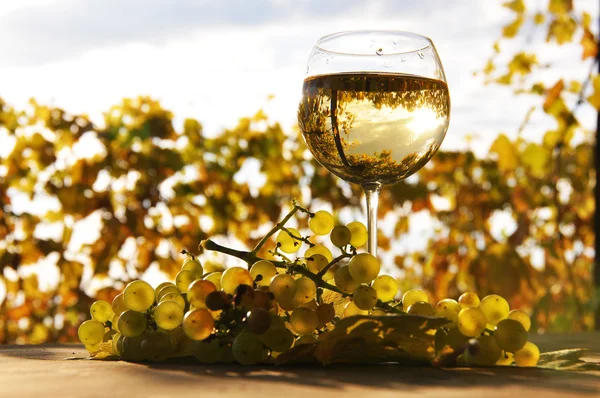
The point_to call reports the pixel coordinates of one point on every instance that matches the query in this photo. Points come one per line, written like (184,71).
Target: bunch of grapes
(254,314)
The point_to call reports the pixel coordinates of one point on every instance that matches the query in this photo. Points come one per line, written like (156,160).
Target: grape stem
(333,262)
(291,234)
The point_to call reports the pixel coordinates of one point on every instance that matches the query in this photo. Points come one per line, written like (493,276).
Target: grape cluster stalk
(255,314)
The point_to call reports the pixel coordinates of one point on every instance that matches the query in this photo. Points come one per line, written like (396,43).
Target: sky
(86,55)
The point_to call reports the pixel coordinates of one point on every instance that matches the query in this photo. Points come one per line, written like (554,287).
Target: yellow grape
(319,249)
(169,289)
(506,359)
(306,290)
(247,349)
(344,281)
(198,324)
(321,223)
(468,300)
(421,308)
(159,288)
(114,345)
(510,335)
(118,304)
(198,291)
(101,311)
(340,236)
(132,323)
(304,320)
(184,279)
(358,233)
(283,287)
(264,268)
(306,339)
(316,263)
(529,355)
(378,312)
(449,309)
(364,267)
(351,309)
(486,354)
(91,332)
(365,297)
(139,296)
(285,342)
(495,308)
(520,317)
(194,266)
(287,243)
(386,287)
(115,322)
(215,278)
(233,277)
(168,315)
(325,313)
(471,322)
(413,296)
(176,297)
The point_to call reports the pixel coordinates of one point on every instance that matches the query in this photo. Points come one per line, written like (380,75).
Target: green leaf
(567,360)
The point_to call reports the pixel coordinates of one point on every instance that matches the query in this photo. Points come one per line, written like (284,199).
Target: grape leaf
(567,360)
(372,339)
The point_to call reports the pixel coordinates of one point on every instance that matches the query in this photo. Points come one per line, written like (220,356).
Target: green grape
(198,291)
(198,324)
(265,269)
(208,352)
(184,279)
(421,308)
(358,233)
(364,267)
(365,297)
(139,296)
(319,249)
(455,339)
(132,323)
(247,349)
(168,315)
(321,223)
(495,308)
(159,287)
(306,290)
(344,281)
(520,317)
(176,297)
(529,355)
(275,333)
(413,296)
(156,346)
(114,347)
(167,290)
(510,335)
(233,277)
(101,311)
(386,287)
(283,287)
(506,359)
(316,262)
(304,320)
(131,348)
(91,332)
(287,244)
(486,354)
(258,320)
(118,304)
(471,322)
(115,322)
(325,313)
(340,236)
(449,309)
(468,300)
(351,309)
(194,266)
(215,278)
(286,341)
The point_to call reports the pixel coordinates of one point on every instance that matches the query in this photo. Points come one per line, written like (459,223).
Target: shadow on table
(392,376)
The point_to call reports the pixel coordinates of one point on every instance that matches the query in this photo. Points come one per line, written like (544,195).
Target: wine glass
(375,108)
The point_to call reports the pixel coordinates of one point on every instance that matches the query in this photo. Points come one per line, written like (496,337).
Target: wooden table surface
(60,371)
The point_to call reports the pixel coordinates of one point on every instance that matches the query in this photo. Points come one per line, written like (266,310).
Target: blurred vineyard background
(120,201)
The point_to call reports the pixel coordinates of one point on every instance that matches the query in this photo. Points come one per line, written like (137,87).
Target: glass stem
(372,194)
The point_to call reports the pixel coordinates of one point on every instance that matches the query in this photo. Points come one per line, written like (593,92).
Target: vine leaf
(567,360)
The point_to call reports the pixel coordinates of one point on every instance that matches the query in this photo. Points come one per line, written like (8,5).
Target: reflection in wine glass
(375,108)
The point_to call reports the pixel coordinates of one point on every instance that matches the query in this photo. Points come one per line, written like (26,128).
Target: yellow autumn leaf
(512,29)
(536,158)
(507,158)
(517,6)
(594,99)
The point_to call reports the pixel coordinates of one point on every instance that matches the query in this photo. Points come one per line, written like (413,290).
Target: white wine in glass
(375,108)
